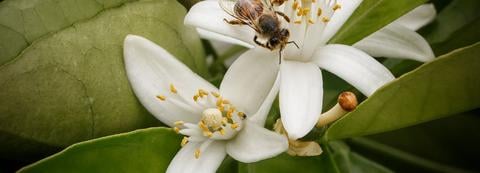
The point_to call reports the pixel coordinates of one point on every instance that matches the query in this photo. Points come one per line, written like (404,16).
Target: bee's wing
(243,15)
(228,6)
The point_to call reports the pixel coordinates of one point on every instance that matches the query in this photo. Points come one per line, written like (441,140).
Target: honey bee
(261,17)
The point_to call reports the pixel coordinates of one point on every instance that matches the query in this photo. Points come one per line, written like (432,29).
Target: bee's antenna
(296,45)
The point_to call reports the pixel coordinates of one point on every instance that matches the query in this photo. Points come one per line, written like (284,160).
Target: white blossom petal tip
(301,93)
(396,41)
(161,82)
(354,66)
(418,17)
(190,159)
(255,143)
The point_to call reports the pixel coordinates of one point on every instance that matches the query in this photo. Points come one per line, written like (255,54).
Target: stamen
(234,126)
(216,94)
(184,141)
(202,126)
(295,5)
(161,97)
(176,129)
(319,12)
(222,131)
(173,89)
(219,102)
(202,92)
(195,98)
(310,21)
(305,11)
(208,134)
(298,22)
(197,153)
(224,120)
(325,19)
(242,115)
(179,123)
(336,7)
(225,101)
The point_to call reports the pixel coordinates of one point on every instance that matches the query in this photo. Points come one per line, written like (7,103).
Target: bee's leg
(258,43)
(234,22)
(280,56)
(283,15)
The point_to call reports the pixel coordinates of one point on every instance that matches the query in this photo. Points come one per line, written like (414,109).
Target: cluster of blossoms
(230,120)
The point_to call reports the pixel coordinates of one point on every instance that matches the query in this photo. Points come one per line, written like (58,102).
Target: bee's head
(279,39)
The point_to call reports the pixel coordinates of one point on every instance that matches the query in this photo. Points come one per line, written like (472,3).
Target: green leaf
(443,87)
(336,157)
(446,142)
(348,161)
(147,150)
(456,15)
(456,26)
(371,16)
(23,21)
(74,80)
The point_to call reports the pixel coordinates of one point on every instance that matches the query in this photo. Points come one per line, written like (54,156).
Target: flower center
(220,120)
(212,117)
(312,11)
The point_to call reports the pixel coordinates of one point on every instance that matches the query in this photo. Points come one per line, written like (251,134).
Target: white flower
(312,24)
(214,121)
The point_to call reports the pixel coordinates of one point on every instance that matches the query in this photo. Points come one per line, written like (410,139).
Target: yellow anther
(314,1)
(295,5)
(195,98)
(225,101)
(202,92)
(179,123)
(197,153)
(221,108)
(234,126)
(216,94)
(207,134)
(241,115)
(203,126)
(184,141)
(336,7)
(224,120)
(325,19)
(310,21)
(298,22)
(222,131)
(173,89)
(319,12)
(219,102)
(176,129)
(161,97)
(229,115)
(305,11)
(300,12)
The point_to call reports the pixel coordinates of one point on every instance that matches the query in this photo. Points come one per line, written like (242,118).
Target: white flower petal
(255,143)
(418,17)
(208,15)
(249,80)
(261,116)
(301,93)
(210,158)
(396,41)
(339,18)
(151,70)
(354,66)
(219,37)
